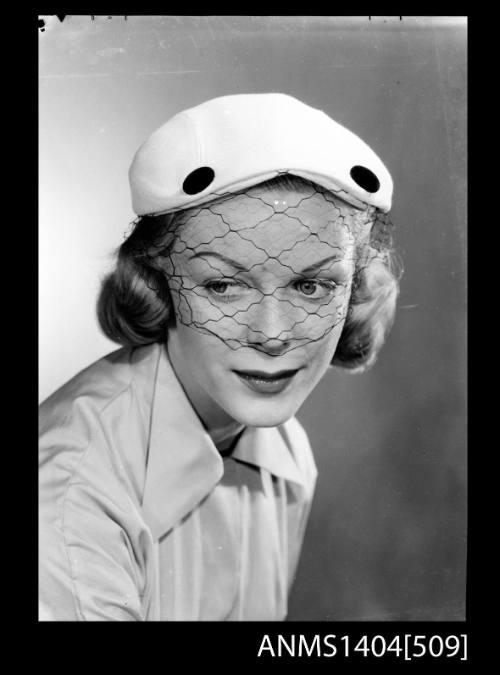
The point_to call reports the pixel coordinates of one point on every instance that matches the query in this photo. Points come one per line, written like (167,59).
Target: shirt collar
(267,448)
(183,463)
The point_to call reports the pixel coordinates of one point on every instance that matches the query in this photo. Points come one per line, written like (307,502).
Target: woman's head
(282,278)
(261,255)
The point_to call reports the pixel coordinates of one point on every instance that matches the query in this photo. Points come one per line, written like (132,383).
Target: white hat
(230,143)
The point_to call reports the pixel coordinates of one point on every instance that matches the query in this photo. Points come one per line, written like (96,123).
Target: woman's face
(260,282)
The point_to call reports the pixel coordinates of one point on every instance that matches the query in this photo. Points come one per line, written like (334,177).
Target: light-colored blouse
(142,519)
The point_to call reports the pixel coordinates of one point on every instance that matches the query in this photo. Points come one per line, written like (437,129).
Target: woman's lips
(266,383)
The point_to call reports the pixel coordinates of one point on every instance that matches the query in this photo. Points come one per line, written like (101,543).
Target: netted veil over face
(269,268)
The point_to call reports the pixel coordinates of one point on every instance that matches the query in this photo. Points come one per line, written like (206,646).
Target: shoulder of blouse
(93,436)
(73,417)
(103,380)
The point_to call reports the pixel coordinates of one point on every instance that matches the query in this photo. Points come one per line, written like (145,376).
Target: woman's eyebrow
(221,257)
(321,263)
(242,268)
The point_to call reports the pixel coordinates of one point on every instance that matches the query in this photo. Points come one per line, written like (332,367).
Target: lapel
(183,463)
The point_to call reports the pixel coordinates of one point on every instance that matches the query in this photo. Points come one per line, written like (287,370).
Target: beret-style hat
(230,143)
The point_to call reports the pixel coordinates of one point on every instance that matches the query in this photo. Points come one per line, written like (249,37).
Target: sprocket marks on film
(271,268)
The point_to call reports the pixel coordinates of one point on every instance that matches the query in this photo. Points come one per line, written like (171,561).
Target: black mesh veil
(271,267)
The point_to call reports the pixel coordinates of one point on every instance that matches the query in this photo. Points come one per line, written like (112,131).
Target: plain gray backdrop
(386,538)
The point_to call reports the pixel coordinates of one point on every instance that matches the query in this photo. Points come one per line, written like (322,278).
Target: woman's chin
(264,414)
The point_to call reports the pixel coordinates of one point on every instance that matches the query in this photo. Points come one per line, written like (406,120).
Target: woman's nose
(270,324)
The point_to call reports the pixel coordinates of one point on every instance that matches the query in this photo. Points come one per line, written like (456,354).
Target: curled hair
(372,304)
(134,306)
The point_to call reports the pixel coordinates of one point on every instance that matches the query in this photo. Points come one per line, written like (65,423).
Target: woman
(175,482)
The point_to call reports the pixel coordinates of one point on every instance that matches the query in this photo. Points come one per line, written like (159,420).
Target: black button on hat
(365,178)
(198,180)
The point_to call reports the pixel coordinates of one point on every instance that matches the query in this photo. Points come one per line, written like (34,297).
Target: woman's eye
(219,287)
(224,288)
(307,287)
(315,289)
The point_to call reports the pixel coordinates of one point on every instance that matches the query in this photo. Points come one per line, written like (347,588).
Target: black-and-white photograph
(252,318)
